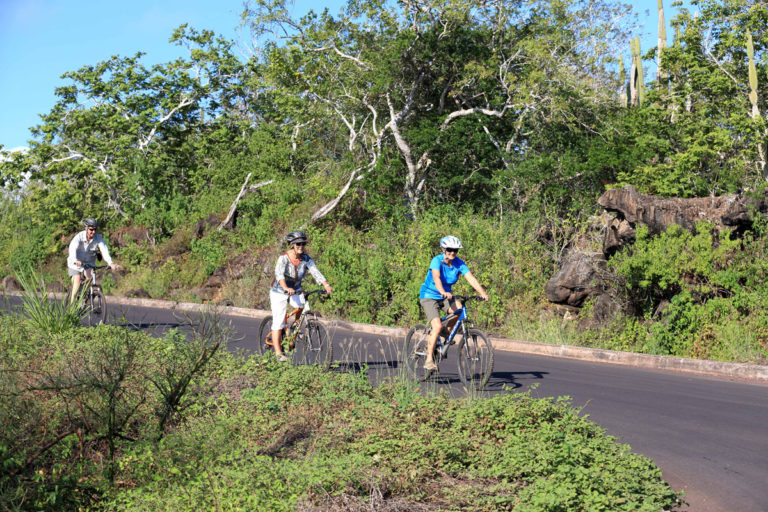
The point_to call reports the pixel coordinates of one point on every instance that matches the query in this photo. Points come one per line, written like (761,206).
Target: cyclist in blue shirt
(444,272)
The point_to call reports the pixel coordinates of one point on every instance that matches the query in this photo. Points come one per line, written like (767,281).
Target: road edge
(737,371)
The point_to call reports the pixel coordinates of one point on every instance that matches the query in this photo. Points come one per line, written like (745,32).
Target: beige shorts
(432,307)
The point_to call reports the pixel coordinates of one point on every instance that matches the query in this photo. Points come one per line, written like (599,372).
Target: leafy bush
(282,438)
(71,402)
(695,290)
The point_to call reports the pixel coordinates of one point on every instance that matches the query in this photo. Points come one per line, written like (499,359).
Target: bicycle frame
(290,334)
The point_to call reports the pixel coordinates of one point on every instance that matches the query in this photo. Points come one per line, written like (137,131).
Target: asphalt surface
(708,434)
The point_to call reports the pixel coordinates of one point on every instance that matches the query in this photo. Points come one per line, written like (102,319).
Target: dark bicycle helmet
(295,236)
(91,223)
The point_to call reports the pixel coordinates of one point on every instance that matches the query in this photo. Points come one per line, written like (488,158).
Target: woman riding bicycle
(82,254)
(435,294)
(290,269)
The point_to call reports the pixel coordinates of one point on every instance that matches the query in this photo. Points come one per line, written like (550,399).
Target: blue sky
(42,39)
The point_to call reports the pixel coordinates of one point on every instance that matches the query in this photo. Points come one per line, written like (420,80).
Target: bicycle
(94,307)
(475,359)
(306,339)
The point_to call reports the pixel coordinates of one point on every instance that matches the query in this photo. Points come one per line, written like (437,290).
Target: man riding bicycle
(82,253)
(435,294)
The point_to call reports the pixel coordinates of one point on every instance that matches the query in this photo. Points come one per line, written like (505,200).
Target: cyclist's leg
(431,308)
(279,304)
(76,278)
(453,306)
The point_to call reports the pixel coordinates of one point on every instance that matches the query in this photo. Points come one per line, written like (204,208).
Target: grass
(50,315)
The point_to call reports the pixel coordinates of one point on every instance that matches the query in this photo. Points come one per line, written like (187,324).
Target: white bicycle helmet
(450,242)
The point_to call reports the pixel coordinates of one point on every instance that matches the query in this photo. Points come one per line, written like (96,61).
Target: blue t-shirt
(448,276)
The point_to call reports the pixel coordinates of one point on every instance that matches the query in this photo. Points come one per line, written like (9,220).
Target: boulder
(125,236)
(204,225)
(235,268)
(55,287)
(579,278)
(618,233)
(10,284)
(207,293)
(138,293)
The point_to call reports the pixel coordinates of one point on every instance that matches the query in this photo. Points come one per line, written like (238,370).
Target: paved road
(708,435)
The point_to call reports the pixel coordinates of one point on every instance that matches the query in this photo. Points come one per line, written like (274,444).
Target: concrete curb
(738,371)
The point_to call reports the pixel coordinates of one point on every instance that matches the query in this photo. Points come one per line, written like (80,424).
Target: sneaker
(430,366)
(282,358)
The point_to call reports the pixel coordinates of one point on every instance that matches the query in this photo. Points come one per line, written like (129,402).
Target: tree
(123,137)
(707,134)
(441,95)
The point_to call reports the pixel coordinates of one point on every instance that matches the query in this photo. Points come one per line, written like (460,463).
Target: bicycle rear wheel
(415,351)
(475,361)
(316,347)
(265,334)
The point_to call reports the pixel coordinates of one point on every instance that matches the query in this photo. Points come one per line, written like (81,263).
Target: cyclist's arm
(319,277)
(439,284)
(282,263)
(105,253)
(72,256)
(474,283)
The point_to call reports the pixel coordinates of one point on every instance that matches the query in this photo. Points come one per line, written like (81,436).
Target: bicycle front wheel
(95,312)
(415,351)
(316,347)
(265,335)
(475,360)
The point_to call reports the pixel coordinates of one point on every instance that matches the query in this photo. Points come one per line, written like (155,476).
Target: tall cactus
(623,90)
(761,147)
(636,80)
(752,76)
(661,75)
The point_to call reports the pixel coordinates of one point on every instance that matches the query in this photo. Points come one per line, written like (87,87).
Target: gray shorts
(84,272)
(432,307)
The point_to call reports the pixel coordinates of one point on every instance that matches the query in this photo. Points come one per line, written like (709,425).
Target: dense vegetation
(385,126)
(110,419)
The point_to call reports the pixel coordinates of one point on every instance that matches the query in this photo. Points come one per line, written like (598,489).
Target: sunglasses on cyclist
(451,250)
(90,229)
(300,244)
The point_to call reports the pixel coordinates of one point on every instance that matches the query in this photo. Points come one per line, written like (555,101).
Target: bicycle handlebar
(465,299)
(86,266)
(312,292)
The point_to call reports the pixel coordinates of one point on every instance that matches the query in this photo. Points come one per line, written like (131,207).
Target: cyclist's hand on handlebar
(78,263)
(328,288)
(484,296)
(447,295)
(290,291)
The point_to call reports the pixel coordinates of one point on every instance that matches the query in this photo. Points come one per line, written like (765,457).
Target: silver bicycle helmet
(295,236)
(91,223)
(450,242)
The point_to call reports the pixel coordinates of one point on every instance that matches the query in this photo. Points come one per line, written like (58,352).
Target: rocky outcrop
(579,278)
(583,275)
(658,213)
